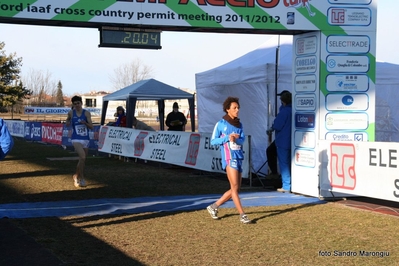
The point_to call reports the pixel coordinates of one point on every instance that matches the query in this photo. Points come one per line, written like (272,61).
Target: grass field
(322,234)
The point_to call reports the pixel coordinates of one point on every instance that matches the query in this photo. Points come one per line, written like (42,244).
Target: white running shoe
(213,212)
(245,220)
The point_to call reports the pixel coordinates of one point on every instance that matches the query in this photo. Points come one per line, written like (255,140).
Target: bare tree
(130,73)
(44,88)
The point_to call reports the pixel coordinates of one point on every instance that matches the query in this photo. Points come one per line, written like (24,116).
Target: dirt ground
(321,234)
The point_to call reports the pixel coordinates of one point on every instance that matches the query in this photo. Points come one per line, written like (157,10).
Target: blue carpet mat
(144,204)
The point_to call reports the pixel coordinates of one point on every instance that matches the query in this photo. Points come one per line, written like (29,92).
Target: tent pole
(191,103)
(276,75)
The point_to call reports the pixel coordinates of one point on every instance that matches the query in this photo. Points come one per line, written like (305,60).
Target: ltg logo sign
(342,166)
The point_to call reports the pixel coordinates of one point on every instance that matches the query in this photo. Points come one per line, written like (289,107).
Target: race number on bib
(234,146)
(81,130)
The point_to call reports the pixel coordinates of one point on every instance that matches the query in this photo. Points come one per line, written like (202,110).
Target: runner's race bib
(81,130)
(234,146)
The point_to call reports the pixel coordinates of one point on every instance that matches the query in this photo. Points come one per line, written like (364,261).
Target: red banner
(52,133)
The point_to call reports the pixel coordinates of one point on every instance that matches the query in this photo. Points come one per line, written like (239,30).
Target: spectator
(137,124)
(121,117)
(282,127)
(6,140)
(271,151)
(175,120)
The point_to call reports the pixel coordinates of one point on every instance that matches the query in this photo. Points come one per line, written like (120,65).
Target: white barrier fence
(188,149)
(367,169)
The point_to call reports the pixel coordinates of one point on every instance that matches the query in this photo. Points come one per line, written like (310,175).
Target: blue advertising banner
(304,120)
(33,131)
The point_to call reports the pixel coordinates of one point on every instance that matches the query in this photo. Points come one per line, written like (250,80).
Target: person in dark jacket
(175,120)
(271,151)
(121,117)
(282,127)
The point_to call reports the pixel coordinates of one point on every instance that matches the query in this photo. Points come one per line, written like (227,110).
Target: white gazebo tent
(251,78)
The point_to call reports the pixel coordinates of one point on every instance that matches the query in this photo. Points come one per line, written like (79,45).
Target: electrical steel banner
(188,149)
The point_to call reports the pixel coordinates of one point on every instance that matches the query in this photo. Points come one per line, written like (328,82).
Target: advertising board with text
(367,169)
(29,110)
(192,150)
(305,106)
(281,15)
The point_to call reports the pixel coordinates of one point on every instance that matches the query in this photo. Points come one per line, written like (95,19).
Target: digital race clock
(130,38)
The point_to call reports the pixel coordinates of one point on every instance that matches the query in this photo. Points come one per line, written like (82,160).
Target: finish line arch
(334,55)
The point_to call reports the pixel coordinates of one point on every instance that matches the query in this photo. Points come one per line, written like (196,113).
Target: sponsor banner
(305,102)
(306,45)
(303,15)
(305,83)
(16,128)
(52,133)
(306,64)
(305,120)
(66,135)
(368,169)
(56,111)
(347,121)
(33,131)
(306,106)
(348,63)
(347,136)
(354,44)
(93,135)
(350,2)
(347,102)
(188,149)
(305,158)
(305,139)
(348,83)
(349,16)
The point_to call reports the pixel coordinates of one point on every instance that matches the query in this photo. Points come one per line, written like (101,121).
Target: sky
(72,55)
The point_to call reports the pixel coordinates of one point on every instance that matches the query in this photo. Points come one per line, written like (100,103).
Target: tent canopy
(251,78)
(149,89)
(251,67)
